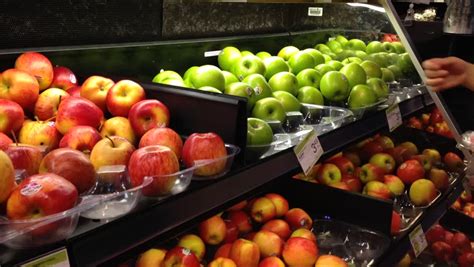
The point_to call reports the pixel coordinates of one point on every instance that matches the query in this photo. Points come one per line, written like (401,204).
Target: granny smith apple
(274,65)
(259,132)
(405,64)
(345,54)
(164,75)
(259,84)
(399,47)
(388,47)
(379,87)
(263,54)
(284,81)
(381,58)
(351,60)
(337,65)
(372,69)
(300,61)
(324,68)
(289,101)
(175,82)
(269,109)
(308,77)
(327,58)
(318,56)
(229,77)
(334,86)
(361,96)
(355,44)
(334,45)
(354,73)
(310,95)
(341,39)
(208,75)
(393,58)
(243,90)
(248,65)
(209,89)
(374,47)
(323,48)
(361,54)
(387,75)
(397,73)
(227,57)
(188,73)
(287,51)
(246,53)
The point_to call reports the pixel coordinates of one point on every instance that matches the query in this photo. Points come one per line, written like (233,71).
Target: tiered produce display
(432,122)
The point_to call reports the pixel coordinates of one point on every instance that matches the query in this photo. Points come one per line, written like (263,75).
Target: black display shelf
(459,221)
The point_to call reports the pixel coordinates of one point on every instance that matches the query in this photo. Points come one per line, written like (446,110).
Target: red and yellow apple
(206,150)
(433,155)
(298,218)
(453,162)
(38,66)
(7,176)
(40,133)
(384,161)
(353,182)
(242,220)
(63,78)
(262,210)
(281,204)
(46,107)
(122,96)
(165,137)
(328,173)
(440,178)
(223,251)
(5,141)
(300,251)
(25,157)
(95,89)
(344,164)
(245,253)
(271,262)
(81,137)
(74,111)
(193,243)
(410,171)
(377,189)
(113,150)
(222,262)
(370,172)
(180,257)
(394,184)
(330,260)
(119,126)
(304,233)
(269,243)
(422,192)
(151,257)
(213,230)
(148,114)
(11,116)
(279,227)
(231,231)
(20,87)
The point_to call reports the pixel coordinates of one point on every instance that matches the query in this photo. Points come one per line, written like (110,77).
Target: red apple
(158,162)
(242,220)
(330,260)
(385,141)
(239,206)
(400,154)
(262,210)
(148,114)
(430,129)
(118,126)
(223,251)
(425,119)
(353,157)
(394,184)
(453,162)
(466,259)
(369,149)
(38,66)
(245,253)
(200,148)
(457,205)
(281,204)
(82,138)
(40,133)
(25,157)
(300,251)
(71,164)
(213,230)
(193,243)
(424,161)
(435,233)
(328,173)
(396,223)
(41,195)
(442,252)
(414,122)
(370,172)
(74,91)
(440,178)
(95,89)
(340,185)
(410,171)
(5,141)
(113,150)
(7,177)
(344,164)
(460,243)
(165,137)
(411,147)
(353,183)
(269,243)
(122,96)
(232,231)
(46,107)
(11,116)
(435,116)
(279,227)
(304,233)
(448,236)
(384,161)
(63,78)
(74,111)
(468,207)
(298,218)
(20,87)
(377,189)
(180,257)
(271,262)
(466,197)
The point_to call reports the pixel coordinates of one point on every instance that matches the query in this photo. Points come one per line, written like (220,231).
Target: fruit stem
(110,139)
(14,138)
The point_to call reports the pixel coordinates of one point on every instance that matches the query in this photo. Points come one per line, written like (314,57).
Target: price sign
(308,151)
(315,11)
(418,240)
(56,259)
(394,117)
(214,53)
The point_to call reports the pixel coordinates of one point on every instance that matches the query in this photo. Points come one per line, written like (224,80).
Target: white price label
(315,11)
(394,117)
(212,53)
(308,151)
(418,240)
(56,259)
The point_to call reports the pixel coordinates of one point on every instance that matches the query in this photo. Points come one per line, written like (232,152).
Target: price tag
(315,11)
(418,240)
(212,53)
(394,117)
(56,259)
(308,151)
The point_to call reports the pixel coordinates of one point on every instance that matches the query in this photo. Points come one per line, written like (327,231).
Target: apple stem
(14,137)
(110,139)
(60,98)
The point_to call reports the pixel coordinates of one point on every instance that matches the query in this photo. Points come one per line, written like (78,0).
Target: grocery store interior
(237,133)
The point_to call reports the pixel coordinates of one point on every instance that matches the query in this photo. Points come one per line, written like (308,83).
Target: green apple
(262,55)
(228,57)
(355,44)
(393,58)
(397,73)
(354,73)
(379,87)
(372,69)
(318,56)
(327,58)
(398,47)
(387,75)
(335,64)
(209,89)
(361,96)
(324,68)
(188,73)
(248,65)
(334,45)
(388,47)
(164,75)
(334,86)
(259,132)
(246,53)
(351,60)
(374,47)
(310,95)
(323,48)
(341,39)
(405,64)
(274,65)
(289,101)
(259,84)
(229,77)
(284,81)
(361,54)
(208,75)
(269,109)
(287,51)
(175,82)
(243,90)
(381,58)
(308,77)
(345,54)
(300,61)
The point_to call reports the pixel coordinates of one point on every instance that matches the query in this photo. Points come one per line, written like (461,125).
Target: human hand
(449,72)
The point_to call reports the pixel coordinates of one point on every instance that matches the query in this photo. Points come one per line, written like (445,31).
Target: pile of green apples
(341,72)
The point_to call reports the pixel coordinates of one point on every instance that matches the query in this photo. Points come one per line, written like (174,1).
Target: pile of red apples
(431,122)
(61,133)
(262,232)
(464,204)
